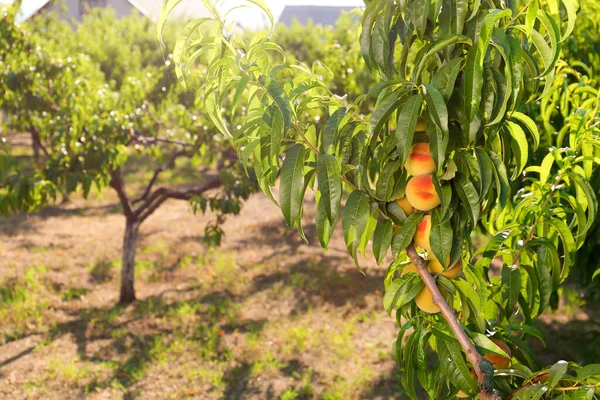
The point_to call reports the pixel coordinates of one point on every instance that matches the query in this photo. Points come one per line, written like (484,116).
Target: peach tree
(432,163)
(91,119)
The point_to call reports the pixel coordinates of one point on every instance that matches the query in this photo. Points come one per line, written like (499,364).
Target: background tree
(94,114)
(432,162)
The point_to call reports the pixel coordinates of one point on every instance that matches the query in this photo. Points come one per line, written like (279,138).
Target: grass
(22,303)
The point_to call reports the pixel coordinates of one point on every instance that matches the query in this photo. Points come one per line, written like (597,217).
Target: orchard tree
(88,123)
(433,162)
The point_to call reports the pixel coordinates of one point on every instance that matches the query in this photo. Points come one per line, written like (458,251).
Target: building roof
(150,8)
(323,15)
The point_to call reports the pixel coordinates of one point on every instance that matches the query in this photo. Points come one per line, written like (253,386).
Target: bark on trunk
(36,145)
(128,264)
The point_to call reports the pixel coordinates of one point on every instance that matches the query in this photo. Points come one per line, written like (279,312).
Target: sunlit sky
(245,17)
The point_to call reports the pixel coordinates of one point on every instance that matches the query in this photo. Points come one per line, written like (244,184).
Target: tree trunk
(128,264)
(36,145)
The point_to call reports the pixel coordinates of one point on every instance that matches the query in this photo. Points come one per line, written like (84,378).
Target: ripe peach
(406,207)
(436,267)
(424,300)
(421,194)
(421,238)
(499,362)
(419,160)
(409,268)
(421,127)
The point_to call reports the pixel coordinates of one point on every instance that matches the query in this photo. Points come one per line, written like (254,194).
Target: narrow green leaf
(354,221)
(382,239)
(511,287)
(441,236)
(291,192)
(325,227)
(445,78)
(401,291)
(453,364)
(407,231)
(557,371)
(405,129)
(330,185)
(278,95)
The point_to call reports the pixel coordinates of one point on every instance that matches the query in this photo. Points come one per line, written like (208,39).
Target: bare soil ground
(264,316)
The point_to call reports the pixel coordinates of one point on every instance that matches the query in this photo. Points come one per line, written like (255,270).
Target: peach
(406,207)
(419,160)
(421,127)
(436,267)
(498,361)
(421,194)
(409,268)
(421,238)
(424,300)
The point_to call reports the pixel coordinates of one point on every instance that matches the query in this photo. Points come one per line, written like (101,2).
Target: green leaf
(557,371)
(330,129)
(502,184)
(407,231)
(437,46)
(487,171)
(531,16)
(265,9)
(519,146)
(441,236)
(453,364)
(571,8)
(291,192)
(533,392)
(485,343)
(473,79)
(469,197)
(278,95)
(382,239)
(354,221)
(588,371)
(405,129)
(330,185)
(401,291)
(529,124)
(438,139)
(511,287)
(445,78)
(167,7)
(325,227)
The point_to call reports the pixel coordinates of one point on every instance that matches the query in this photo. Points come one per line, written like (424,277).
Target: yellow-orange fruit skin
(436,267)
(499,362)
(419,160)
(405,205)
(421,127)
(421,238)
(409,268)
(421,194)
(424,301)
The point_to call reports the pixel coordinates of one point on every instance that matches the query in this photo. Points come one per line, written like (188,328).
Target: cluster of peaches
(421,195)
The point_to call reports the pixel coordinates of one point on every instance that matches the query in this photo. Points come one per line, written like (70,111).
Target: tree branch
(169,164)
(483,368)
(36,138)
(162,194)
(116,182)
